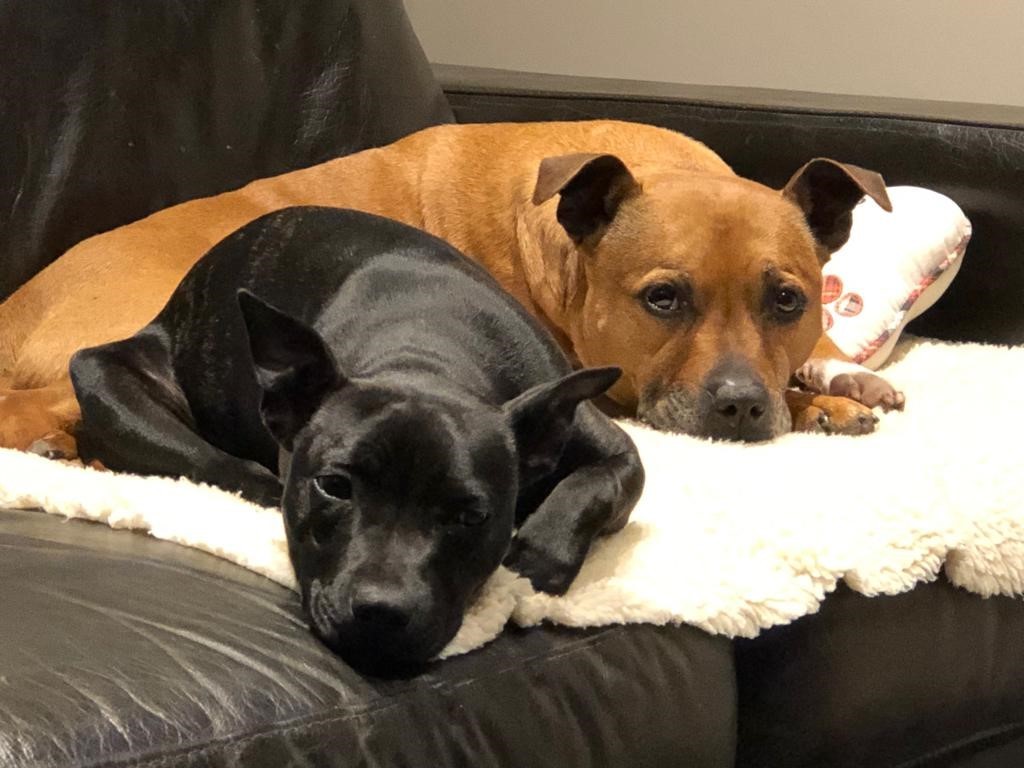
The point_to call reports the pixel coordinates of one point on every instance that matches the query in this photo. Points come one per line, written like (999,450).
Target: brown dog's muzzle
(732,403)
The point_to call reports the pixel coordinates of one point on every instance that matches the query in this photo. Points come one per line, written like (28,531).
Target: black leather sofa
(116,649)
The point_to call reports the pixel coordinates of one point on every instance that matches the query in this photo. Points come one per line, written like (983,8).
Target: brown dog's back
(462,183)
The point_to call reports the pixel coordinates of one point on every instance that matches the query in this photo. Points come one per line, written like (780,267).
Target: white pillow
(894,267)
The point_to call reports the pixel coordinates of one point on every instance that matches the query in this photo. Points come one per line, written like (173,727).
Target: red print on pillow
(831,289)
(826,319)
(850,305)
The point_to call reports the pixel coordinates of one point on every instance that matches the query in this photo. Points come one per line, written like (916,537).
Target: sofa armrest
(972,152)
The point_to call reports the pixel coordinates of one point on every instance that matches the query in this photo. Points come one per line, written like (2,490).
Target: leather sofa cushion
(117,646)
(928,675)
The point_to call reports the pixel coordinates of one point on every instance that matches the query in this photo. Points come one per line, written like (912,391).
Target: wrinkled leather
(112,109)
(974,161)
(114,645)
(936,672)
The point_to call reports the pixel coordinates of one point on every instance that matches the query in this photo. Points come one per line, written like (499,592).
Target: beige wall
(959,50)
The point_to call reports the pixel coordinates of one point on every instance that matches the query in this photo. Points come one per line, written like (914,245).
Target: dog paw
(828,415)
(55,445)
(868,389)
(545,572)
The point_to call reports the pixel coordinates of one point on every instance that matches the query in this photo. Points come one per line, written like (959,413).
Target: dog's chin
(686,412)
(386,653)
(379,655)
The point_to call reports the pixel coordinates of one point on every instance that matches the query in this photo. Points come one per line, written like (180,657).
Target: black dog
(415,414)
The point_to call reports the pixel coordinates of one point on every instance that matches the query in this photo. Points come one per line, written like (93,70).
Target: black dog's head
(398,504)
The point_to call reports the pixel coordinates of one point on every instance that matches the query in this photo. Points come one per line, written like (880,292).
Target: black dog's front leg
(135,418)
(593,499)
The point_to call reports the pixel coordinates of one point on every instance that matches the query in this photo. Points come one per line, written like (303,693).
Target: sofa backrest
(112,109)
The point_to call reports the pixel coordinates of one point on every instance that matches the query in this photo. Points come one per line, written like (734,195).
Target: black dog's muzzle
(377,629)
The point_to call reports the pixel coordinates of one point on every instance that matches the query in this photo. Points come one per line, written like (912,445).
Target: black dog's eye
(471,516)
(337,487)
(663,298)
(325,519)
(788,302)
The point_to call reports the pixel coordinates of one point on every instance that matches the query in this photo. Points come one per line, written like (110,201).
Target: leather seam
(989,733)
(723,105)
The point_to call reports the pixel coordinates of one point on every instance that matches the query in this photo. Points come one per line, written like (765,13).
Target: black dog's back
(383,295)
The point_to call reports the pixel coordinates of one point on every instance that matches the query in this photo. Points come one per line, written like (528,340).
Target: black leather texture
(116,649)
(933,675)
(112,109)
(973,153)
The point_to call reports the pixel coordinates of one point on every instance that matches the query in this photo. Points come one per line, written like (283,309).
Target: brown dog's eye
(789,302)
(337,487)
(663,298)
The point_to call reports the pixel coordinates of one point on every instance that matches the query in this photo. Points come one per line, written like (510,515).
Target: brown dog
(636,246)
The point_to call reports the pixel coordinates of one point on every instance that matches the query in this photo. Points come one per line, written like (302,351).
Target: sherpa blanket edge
(731,538)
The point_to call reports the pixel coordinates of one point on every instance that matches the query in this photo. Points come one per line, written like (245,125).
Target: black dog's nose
(380,607)
(739,404)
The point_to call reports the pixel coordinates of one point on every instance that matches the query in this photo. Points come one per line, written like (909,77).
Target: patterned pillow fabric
(894,267)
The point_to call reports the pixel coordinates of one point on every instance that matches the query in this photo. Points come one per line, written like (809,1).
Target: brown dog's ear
(826,191)
(591,188)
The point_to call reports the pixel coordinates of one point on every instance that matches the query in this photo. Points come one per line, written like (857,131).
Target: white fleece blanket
(728,537)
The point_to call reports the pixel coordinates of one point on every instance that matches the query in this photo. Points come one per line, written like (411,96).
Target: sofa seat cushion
(115,646)
(931,675)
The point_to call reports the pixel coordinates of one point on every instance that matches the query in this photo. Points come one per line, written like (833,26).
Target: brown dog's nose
(735,404)
(739,404)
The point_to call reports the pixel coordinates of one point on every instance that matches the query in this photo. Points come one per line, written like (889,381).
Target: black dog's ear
(294,367)
(591,189)
(826,191)
(542,417)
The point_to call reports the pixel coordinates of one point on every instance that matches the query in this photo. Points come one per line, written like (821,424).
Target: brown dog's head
(705,289)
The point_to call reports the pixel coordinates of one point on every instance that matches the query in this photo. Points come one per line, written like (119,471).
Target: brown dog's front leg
(40,420)
(829,371)
(828,414)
